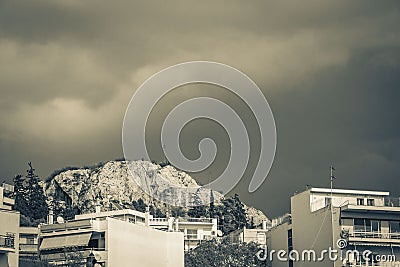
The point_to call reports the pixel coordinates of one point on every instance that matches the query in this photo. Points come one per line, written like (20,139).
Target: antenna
(164,148)
(331,208)
(332,178)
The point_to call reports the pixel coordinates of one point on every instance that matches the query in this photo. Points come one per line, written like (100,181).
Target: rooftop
(349,191)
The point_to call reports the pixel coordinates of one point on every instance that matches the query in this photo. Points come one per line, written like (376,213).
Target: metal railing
(201,220)
(7,240)
(28,247)
(364,234)
(191,236)
(392,201)
(159,220)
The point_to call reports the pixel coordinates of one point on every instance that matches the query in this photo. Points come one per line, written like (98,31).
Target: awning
(74,240)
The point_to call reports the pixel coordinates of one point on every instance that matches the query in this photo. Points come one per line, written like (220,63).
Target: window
(346,222)
(328,201)
(30,240)
(394,227)
(290,245)
(375,226)
(261,238)
(191,234)
(370,202)
(360,201)
(368,225)
(364,225)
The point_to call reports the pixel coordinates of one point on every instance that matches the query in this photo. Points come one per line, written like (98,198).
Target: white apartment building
(348,221)
(9,228)
(102,236)
(256,235)
(108,239)
(195,230)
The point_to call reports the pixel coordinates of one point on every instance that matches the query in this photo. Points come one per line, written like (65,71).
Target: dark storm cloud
(328,69)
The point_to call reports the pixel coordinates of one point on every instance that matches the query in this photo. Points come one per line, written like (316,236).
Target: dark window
(363,225)
(359,225)
(93,243)
(328,201)
(370,202)
(290,245)
(368,225)
(360,201)
(375,226)
(191,234)
(30,240)
(394,227)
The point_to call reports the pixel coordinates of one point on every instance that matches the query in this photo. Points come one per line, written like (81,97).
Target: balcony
(392,202)
(7,243)
(196,220)
(28,248)
(73,225)
(374,237)
(159,222)
(191,237)
(386,208)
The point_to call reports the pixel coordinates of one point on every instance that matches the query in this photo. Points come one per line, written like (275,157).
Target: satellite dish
(219,233)
(60,219)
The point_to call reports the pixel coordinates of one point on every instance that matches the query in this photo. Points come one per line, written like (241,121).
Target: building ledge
(380,209)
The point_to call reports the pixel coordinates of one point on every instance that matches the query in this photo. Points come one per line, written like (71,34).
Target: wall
(135,245)
(277,239)
(317,200)
(311,230)
(9,222)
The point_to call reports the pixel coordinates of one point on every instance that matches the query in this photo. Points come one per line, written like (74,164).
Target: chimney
(50,217)
(147,216)
(170,224)
(98,207)
(264,225)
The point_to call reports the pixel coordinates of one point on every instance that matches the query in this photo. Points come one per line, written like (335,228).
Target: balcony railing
(200,220)
(363,234)
(158,221)
(191,237)
(28,247)
(392,201)
(7,241)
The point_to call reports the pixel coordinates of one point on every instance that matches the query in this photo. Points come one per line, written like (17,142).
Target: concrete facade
(130,245)
(28,242)
(195,230)
(112,238)
(350,222)
(9,229)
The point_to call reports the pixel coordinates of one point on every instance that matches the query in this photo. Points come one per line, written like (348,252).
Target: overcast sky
(330,71)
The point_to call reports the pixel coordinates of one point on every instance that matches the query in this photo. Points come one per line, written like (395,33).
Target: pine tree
(231,214)
(36,200)
(21,200)
(212,207)
(139,205)
(197,212)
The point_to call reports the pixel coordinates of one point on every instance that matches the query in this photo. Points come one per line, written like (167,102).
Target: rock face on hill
(111,185)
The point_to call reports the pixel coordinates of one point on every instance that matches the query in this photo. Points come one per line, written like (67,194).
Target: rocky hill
(112,186)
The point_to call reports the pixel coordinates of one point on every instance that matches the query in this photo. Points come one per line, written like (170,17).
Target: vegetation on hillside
(230,214)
